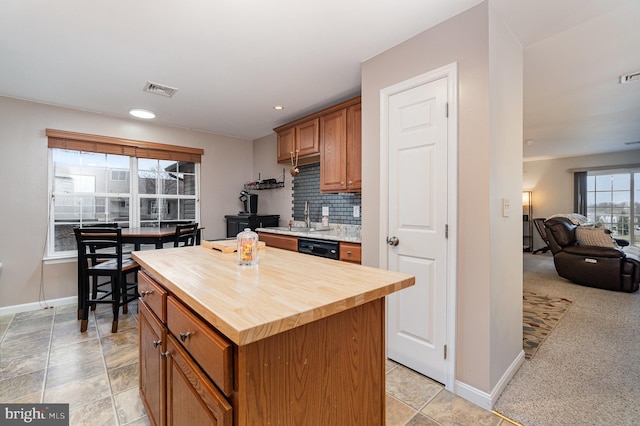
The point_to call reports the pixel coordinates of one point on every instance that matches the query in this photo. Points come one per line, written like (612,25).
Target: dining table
(154,235)
(139,236)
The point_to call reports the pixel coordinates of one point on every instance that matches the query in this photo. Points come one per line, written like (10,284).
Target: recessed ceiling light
(278,107)
(142,113)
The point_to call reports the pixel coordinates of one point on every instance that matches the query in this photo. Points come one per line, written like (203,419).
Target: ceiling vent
(159,89)
(632,143)
(630,77)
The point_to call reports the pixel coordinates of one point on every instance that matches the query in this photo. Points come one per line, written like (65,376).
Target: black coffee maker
(249,203)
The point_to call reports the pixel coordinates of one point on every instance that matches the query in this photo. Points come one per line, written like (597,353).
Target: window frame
(134,150)
(633,235)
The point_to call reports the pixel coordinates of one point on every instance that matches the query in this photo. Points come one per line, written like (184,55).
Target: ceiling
(232,61)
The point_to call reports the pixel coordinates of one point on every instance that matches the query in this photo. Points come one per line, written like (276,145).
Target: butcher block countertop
(286,290)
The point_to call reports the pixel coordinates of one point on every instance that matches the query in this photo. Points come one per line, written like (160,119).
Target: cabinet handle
(164,354)
(342,183)
(146,292)
(348,253)
(185,336)
(156,343)
(350,182)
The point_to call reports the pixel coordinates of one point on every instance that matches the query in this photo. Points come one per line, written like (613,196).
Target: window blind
(110,145)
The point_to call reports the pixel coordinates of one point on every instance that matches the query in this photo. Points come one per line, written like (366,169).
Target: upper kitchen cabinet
(301,136)
(341,149)
(332,136)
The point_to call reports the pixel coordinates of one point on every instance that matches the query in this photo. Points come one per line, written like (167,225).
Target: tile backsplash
(306,187)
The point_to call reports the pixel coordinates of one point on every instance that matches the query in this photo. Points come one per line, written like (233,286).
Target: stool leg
(115,288)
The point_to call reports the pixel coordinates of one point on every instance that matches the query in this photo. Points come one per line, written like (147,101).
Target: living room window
(613,200)
(96,179)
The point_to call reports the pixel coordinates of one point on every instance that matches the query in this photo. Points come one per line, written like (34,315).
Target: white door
(417,219)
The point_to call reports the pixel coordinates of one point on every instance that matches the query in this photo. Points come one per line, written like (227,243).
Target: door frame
(451,72)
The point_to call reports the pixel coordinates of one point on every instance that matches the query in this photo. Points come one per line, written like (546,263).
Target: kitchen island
(295,340)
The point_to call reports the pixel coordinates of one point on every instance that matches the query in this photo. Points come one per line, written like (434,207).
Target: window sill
(52,260)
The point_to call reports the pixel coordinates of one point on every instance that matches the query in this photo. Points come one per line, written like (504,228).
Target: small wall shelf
(260,184)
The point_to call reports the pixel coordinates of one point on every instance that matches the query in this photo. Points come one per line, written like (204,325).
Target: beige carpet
(587,372)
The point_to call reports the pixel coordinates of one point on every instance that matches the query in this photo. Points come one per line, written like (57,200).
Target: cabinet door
(153,337)
(307,139)
(333,159)
(286,145)
(191,398)
(354,148)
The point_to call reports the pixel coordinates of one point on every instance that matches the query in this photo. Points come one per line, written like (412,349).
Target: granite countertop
(335,232)
(285,290)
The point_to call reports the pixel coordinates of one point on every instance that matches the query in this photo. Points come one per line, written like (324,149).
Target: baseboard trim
(34,306)
(484,399)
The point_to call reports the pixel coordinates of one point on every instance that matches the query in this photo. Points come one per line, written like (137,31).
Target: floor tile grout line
(4,333)
(46,365)
(106,370)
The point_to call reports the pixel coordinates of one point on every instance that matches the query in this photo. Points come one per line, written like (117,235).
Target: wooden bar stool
(100,255)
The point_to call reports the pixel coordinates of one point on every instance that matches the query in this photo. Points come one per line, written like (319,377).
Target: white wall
(23,189)
(489,259)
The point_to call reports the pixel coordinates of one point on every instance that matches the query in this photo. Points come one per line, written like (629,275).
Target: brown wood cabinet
(350,252)
(303,137)
(327,372)
(332,136)
(341,150)
(153,338)
(286,242)
(185,365)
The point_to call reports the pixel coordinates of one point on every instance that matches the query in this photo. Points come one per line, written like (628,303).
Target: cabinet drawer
(351,252)
(212,351)
(153,295)
(285,242)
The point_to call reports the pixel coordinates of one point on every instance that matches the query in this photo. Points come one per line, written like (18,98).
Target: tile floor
(45,358)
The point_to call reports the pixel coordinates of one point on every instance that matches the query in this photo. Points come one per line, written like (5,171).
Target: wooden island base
(328,372)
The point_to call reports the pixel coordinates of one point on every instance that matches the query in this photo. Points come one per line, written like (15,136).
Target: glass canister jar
(247,247)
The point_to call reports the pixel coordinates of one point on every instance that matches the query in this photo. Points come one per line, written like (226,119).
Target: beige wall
(489,246)
(506,94)
(273,201)
(23,189)
(552,183)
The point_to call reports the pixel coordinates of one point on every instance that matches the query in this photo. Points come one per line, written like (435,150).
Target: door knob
(392,241)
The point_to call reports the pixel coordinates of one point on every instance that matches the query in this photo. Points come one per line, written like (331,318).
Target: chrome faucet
(307,219)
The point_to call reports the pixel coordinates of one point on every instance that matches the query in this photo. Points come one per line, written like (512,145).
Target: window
(124,185)
(613,200)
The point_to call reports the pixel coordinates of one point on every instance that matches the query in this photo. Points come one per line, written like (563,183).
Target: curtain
(580,193)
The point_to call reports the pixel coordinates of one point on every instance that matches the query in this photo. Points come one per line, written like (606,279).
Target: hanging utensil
(294,169)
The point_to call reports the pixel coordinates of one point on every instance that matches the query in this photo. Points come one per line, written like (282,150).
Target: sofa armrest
(594,251)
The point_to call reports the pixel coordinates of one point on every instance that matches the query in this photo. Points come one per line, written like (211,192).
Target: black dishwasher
(322,248)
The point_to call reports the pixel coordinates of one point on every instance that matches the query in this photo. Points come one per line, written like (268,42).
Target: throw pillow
(600,237)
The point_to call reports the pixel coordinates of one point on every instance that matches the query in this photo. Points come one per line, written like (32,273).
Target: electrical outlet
(325,211)
(356,211)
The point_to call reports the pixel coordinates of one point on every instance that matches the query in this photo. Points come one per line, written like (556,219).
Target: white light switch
(325,211)
(506,207)
(356,211)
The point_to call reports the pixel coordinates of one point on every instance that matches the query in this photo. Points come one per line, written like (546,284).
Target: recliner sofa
(610,268)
